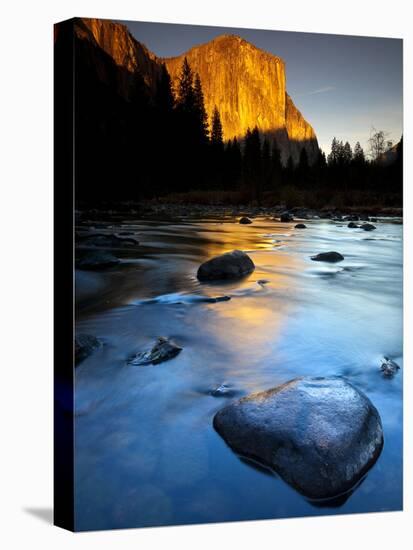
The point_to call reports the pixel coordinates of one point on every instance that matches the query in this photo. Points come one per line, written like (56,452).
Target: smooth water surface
(145,449)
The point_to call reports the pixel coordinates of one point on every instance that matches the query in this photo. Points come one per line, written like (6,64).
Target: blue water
(145,450)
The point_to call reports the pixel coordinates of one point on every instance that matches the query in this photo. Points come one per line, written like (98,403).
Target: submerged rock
(244,220)
(163,350)
(96,259)
(286,217)
(388,367)
(300,226)
(368,226)
(328,257)
(85,345)
(224,390)
(321,435)
(231,265)
(352,225)
(110,241)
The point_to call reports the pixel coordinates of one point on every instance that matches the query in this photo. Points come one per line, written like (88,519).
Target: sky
(343,85)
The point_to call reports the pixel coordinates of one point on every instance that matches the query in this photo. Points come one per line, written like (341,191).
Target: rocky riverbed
(146,449)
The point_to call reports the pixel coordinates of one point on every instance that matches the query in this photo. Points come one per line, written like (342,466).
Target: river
(146,453)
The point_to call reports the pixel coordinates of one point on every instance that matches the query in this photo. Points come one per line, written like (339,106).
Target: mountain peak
(246,84)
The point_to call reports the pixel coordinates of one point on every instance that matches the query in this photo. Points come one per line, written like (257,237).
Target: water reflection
(146,452)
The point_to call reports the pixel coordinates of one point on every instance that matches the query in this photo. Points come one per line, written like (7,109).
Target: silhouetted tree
(252,162)
(347,153)
(217,140)
(358,155)
(200,112)
(186,94)
(302,170)
(378,144)
(217,148)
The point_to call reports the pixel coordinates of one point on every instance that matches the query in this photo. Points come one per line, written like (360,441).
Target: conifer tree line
(256,164)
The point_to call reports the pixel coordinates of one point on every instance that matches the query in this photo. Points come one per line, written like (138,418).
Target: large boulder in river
(245,221)
(321,435)
(328,257)
(231,265)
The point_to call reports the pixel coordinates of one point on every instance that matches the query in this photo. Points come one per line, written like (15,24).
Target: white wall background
(26,272)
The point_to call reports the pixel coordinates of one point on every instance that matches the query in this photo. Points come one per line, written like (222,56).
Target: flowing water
(146,452)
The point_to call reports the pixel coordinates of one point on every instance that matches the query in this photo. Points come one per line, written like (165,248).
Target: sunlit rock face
(248,85)
(129,55)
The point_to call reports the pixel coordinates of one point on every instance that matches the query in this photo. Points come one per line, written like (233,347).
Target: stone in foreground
(328,257)
(321,435)
(245,221)
(352,225)
(163,350)
(85,345)
(231,265)
(300,226)
(388,367)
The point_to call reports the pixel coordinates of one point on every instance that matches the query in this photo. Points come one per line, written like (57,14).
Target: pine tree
(186,94)
(252,162)
(303,161)
(358,156)
(217,140)
(303,167)
(164,99)
(276,164)
(347,153)
(334,156)
(200,112)
(266,165)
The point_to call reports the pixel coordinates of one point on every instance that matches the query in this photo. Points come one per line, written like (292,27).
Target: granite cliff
(247,84)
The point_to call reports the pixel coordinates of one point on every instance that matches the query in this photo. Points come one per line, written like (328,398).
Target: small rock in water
(231,265)
(368,226)
(262,282)
(85,345)
(163,350)
(352,225)
(286,217)
(300,226)
(328,257)
(109,241)
(373,220)
(216,299)
(389,367)
(96,259)
(321,435)
(244,220)
(224,390)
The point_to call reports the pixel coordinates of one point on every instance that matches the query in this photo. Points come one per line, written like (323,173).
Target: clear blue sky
(343,85)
